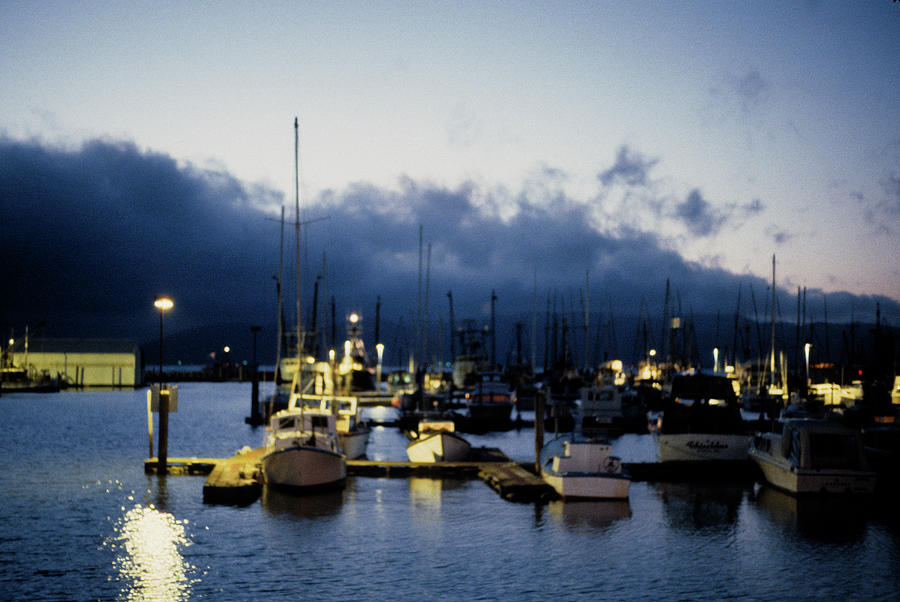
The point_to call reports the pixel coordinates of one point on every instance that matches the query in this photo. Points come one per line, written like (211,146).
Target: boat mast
(280,306)
(772,361)
(298,378)
(587,320)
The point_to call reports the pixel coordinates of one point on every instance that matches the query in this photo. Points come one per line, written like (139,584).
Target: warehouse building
(83,362)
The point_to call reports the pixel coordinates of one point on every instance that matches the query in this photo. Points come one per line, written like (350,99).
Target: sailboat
(302,447)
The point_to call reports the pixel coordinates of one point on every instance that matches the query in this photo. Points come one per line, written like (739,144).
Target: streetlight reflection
(150,563)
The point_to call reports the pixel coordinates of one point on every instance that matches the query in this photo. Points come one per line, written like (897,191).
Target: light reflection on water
(149,562)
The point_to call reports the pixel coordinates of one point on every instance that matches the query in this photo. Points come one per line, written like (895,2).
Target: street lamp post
(163,304)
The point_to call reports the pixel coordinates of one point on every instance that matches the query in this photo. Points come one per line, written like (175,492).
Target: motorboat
(601,409)
(353,435)
(812,457)
(437,441)
(490,401)
(700,421)
(302,449)
(584,468)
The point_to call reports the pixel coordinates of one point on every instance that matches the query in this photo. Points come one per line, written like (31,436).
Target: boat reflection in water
(281,503)
(825,518)
(591,514)
(691,506)
(149,560)
(427,494)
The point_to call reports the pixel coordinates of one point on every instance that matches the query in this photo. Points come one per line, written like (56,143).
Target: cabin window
(319,422)
(831,450)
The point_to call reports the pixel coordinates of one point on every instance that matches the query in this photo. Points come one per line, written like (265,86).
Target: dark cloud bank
(89,237)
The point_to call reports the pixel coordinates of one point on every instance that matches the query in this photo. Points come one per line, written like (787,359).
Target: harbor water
(79,520)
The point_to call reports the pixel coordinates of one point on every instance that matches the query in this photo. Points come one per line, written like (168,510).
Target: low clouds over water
(91,235)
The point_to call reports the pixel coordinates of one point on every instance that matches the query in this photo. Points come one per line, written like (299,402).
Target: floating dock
(237,480)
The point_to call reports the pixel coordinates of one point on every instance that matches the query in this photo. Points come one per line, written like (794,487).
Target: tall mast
(297,233)
(587,319)
(534,325)
(418,358)
(279,282)
(772,361)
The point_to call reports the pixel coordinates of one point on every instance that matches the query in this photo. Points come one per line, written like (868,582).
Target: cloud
(699,217)
(750,88)
(98,232)
(631,168)
(91,236)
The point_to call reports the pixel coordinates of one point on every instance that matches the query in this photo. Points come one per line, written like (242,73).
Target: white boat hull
(692,447)
(780,473)
(584,469)
(801,481)
(440,446)
(354,443)
(588,485)
(304,467)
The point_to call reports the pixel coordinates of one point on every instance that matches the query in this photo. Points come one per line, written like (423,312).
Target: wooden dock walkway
(237,480)
(515,483)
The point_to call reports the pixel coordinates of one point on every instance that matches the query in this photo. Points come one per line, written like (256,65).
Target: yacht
(813,457)
(700,420)
(302,451)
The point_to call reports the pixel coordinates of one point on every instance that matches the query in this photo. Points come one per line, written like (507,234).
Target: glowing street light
(715,359)
(379,348)
(163,304)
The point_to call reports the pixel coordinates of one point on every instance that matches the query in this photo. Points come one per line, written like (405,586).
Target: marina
(82,519)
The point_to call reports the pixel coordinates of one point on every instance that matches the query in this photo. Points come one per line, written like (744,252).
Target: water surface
(79,519)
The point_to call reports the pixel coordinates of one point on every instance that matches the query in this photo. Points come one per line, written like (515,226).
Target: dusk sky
(147,148)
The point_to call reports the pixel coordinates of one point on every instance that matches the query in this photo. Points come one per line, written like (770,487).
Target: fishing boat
(302,449)
(700,420)
(490,402)
(353,434)
(437,441)
(813,457)
(601,409)
(584,468)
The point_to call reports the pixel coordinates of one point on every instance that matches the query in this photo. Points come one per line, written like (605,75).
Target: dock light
(354,318)
(227,349)
(163,304)
(715,359)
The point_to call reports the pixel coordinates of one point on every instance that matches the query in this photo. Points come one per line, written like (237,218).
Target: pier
(238,480)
